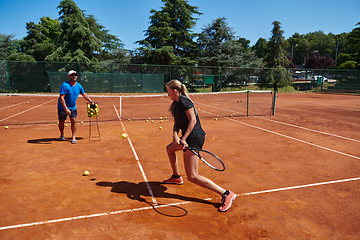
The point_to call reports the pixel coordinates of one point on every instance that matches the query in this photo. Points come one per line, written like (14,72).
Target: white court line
(309,129)
(282,135)
(327,105)
(138,161)
(26,110)
(172,204)
(16,104)
(291,125)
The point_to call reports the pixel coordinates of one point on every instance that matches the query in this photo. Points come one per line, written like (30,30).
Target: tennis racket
(208,158)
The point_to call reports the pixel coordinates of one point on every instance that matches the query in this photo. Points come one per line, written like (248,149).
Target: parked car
(315,78)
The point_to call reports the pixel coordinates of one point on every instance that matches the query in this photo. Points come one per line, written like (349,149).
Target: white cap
(71,72)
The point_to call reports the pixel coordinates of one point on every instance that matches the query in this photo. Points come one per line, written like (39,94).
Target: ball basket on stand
(93,112)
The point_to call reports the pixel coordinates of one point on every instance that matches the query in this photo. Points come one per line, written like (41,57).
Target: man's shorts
(63,115)
(196,142)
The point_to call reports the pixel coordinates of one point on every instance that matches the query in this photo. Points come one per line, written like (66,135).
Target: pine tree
(168,38)
(277,58)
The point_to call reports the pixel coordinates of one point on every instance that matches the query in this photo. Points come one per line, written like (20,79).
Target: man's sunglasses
(74,74)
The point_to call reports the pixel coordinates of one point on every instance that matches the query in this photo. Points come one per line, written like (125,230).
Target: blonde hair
(176,84)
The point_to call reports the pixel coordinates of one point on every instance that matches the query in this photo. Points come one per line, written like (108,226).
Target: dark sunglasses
(74,74)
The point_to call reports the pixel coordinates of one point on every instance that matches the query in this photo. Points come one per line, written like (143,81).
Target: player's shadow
(137,191)
(50,140)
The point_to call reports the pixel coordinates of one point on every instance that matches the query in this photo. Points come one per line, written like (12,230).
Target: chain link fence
(108,77)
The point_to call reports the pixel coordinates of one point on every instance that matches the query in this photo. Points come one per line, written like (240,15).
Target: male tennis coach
(69,93)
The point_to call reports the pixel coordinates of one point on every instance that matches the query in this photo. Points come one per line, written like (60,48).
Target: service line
(172,204)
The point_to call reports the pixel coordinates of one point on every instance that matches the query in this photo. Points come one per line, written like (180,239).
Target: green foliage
(354,43)
(218,47)
(21,57)
(277,58)
(168,36)
(7,46)
(349,65)
(260,48)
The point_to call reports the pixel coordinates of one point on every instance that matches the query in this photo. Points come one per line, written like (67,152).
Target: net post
(273,104)
(247,103)
(120,107)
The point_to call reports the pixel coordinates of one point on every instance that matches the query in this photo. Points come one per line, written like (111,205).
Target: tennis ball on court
(27,102)
(165,117)
(57,122)
(123,135)
(129,119)
(86,173)
(6,127)
(160,127)
(81,122)
(152,121)
(162,121)
(160,118)
(146,120)
(215,119)
(66,125)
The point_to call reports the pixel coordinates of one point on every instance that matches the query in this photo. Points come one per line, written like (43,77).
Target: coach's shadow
(50,140)
(136,191)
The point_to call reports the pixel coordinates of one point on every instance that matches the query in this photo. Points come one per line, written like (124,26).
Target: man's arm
(87,97)
(63,103)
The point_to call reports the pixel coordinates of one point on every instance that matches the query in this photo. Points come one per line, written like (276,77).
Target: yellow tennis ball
(215,119)
(6,127)
(165,117)
(162,121)
(81,122)
(146,120)
(57,122)
(160,127)
(152,121)
(123,135)
(129,119)
(66,125)
(86,173)
(160,118)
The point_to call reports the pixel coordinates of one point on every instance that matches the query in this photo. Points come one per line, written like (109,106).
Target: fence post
(8,73)
(266,72)
(170,73)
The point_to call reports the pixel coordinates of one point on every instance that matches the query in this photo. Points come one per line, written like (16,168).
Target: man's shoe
(62,138)
(73,141)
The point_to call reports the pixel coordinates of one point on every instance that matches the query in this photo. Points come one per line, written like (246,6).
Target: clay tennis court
(296,173)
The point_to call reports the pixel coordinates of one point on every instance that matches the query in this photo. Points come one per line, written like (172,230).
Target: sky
(127,19)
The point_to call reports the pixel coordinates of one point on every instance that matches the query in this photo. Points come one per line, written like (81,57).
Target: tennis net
(22,109)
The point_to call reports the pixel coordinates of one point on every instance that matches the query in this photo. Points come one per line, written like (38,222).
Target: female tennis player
(187,120)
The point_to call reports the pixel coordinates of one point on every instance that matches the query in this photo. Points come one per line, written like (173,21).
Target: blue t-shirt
(71,95)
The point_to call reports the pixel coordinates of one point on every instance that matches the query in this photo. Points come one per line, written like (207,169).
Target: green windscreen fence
(111,82)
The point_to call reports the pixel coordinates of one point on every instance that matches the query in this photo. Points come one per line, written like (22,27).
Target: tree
(168,38)
(42,38)
(319,62)
(112,45)
(260,48)
(277,58)
(354,44)
(218,47)
(77,42)
(7,46)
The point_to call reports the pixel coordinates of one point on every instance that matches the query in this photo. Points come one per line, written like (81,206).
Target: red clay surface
(310,142)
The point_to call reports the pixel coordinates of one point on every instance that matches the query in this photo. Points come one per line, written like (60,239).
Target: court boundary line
(292,138)
(288,124)
(309,129)
(16,104)
(137,160)
(171,204)
(26,110)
